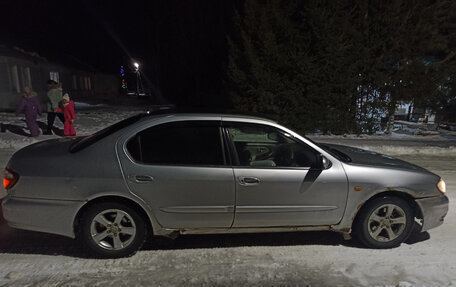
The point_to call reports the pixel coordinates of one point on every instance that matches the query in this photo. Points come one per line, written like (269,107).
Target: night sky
(181,45)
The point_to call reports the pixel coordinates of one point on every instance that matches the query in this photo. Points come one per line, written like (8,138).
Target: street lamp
(136,64)
(139,86)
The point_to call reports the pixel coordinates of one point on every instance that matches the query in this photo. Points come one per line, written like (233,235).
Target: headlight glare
(441,186)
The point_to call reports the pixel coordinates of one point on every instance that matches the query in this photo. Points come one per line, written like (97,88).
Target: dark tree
(339,65)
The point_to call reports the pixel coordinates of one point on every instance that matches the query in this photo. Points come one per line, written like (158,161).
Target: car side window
(178,143)
(263,146)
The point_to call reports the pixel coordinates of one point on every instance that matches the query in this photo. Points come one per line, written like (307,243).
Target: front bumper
(434,209)
(44,215)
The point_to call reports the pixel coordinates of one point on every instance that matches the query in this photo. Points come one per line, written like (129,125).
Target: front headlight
(441,186)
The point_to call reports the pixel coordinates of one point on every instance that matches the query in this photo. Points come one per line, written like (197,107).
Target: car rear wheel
(384,222)
(112,230)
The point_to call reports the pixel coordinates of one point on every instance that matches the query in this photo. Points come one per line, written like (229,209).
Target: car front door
(180,171)
(280,181)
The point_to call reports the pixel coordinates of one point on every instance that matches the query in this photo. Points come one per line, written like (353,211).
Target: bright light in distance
(136,64)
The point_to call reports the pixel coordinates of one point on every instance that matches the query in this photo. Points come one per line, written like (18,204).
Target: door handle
(248,180)
(141,178)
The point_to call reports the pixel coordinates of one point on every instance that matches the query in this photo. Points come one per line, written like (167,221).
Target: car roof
(202,113)
(198,116)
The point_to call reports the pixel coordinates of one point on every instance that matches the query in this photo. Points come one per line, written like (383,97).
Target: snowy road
(296,259)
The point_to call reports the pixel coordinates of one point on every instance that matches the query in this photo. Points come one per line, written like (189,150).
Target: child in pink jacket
(68,113)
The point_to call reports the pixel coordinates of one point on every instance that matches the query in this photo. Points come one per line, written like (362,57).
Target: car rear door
(279,181)
(180,170)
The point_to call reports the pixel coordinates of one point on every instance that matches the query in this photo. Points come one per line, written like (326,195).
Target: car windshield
(332,151)
(84,142)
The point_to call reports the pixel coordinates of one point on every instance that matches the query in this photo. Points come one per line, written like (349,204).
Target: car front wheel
(384,222)
(112,230)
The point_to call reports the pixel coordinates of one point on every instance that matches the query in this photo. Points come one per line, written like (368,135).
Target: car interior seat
(283,155)
(245,158)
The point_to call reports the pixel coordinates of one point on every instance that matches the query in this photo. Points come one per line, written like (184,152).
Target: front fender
(367,182)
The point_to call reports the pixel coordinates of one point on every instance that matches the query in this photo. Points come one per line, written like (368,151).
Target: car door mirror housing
(325,163)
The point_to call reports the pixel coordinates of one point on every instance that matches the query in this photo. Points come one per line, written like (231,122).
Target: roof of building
(59,59)
(17,52)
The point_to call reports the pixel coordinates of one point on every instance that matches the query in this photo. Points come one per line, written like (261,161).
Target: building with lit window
(19,68)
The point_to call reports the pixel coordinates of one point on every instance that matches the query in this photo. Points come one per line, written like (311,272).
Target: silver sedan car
(169,174)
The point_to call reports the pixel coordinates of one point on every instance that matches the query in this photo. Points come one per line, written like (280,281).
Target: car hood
(364,157)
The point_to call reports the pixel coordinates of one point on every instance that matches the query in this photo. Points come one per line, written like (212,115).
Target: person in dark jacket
(30,106)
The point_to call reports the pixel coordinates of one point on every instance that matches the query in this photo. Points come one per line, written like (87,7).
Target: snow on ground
(396,146)
(89,119)
(279,259)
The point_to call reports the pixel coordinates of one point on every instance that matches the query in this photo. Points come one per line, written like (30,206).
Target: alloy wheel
(387,222)
(113,229)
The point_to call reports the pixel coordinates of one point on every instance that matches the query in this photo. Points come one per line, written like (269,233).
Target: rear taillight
(10,178)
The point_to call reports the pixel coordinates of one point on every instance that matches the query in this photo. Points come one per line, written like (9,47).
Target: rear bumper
(44,215)
(434,209)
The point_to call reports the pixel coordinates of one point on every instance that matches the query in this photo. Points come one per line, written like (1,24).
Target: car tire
(384,222)
(112,230)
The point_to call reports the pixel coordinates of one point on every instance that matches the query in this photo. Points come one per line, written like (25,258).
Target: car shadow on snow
(14,241)
(417,236)
(302,238)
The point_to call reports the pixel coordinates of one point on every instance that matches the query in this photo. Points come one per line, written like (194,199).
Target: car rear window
(84,142)
(196,143)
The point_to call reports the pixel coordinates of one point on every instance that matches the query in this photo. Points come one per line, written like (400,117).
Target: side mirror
(325,163)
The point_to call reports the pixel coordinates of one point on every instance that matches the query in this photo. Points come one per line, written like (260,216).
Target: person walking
(68,113)
(30,106)
(54,95)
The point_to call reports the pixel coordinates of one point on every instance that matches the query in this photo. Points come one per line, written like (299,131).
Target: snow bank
(90,119)
(414,146)
(82,106)
(380,137)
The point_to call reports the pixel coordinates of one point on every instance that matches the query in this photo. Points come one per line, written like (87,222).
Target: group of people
(58,105)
